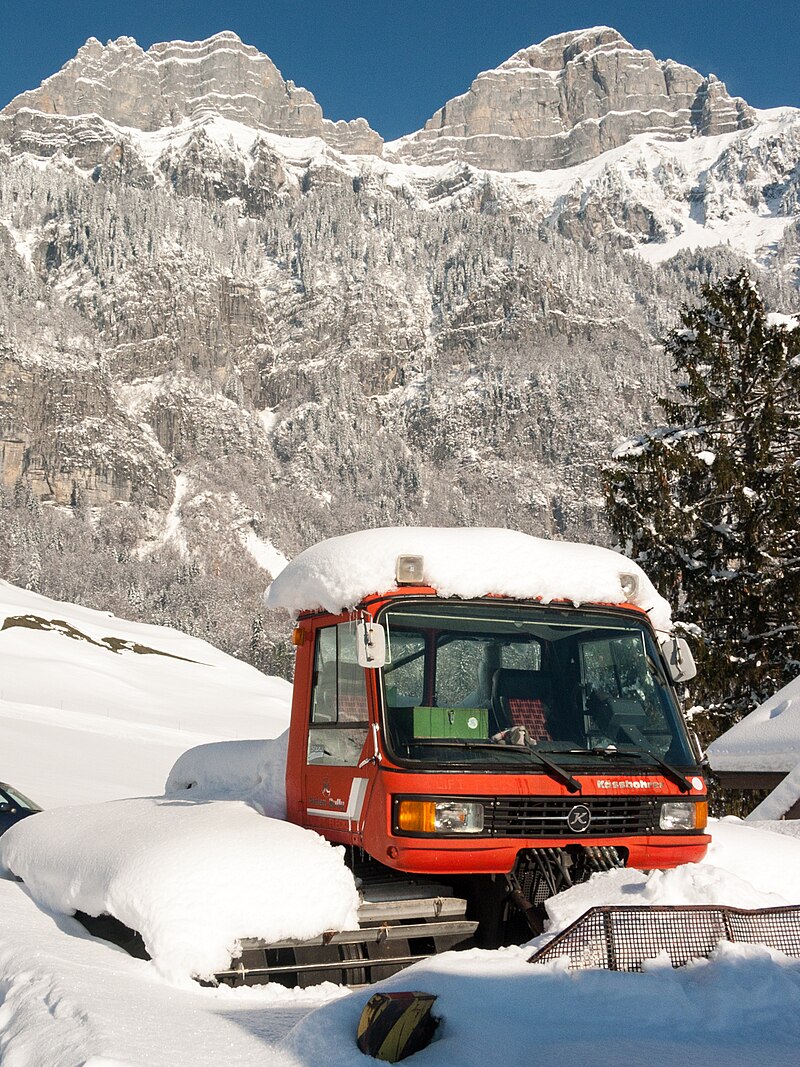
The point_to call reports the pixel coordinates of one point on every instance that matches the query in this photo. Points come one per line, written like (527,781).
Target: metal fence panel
(621,938)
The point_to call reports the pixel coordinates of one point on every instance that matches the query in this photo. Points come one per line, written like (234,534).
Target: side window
(323,702)
(339,716)
(351,683)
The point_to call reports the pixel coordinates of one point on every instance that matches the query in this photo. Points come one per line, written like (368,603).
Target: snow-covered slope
(95,708)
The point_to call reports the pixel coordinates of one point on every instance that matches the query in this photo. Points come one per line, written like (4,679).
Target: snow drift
(252,771)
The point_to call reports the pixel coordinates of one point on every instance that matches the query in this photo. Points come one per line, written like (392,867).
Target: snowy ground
(81,722)
(67,999)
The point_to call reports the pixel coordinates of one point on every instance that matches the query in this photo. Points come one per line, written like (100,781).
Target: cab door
(338,769)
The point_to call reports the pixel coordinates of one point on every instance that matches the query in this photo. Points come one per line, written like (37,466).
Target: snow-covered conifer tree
(710,504)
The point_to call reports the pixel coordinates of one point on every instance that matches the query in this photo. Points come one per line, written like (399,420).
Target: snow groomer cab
(488,709)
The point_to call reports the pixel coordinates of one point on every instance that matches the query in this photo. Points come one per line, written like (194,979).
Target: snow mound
(737,1008)
(469,562)
(252,771)
(191,877)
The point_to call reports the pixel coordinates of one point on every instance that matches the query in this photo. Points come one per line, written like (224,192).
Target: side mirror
(679,659)
(370,644)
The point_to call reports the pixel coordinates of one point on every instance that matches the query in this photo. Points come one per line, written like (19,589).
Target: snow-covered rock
(569,99)
(174,81)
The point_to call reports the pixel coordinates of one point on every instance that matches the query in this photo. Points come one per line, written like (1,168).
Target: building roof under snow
(768,739)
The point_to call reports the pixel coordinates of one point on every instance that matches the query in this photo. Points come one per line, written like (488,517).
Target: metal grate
(547,816)
(621,938)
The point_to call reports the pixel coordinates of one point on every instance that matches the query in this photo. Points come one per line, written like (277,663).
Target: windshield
(499,683)
(17,798)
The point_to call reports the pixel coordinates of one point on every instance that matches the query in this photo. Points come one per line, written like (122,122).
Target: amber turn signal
(416,816)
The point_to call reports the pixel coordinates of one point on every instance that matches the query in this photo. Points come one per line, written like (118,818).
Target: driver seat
(523,698)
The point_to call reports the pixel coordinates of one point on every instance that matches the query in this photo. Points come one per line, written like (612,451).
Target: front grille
(547,816)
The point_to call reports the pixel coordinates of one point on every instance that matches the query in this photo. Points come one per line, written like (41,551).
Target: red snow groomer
(493,726)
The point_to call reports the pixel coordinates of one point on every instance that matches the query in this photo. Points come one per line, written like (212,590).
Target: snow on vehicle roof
(337,574)
(768,739)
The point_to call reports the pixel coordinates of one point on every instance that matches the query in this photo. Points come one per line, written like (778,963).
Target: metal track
(401,921)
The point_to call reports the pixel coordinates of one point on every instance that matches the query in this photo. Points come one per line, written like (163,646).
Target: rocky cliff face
(569,99)
(237,319)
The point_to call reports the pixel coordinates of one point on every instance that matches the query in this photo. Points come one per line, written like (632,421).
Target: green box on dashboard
(461,723)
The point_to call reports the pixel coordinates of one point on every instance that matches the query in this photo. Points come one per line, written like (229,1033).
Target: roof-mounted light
(410,570)
(630,585)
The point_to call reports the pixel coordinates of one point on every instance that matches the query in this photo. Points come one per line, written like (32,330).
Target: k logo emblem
(578,819)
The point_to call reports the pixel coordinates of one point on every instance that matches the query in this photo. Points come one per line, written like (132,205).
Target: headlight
(683,815)
(439,816)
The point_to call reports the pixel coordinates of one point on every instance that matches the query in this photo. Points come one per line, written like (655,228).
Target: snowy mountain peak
(175,81)
(568,100)
(555,52)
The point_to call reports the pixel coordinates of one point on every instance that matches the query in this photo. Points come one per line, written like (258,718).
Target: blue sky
(396,62)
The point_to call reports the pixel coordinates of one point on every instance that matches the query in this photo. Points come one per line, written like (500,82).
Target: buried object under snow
(396,1025)
(189,876)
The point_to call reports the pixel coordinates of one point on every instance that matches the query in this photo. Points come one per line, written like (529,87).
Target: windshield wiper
(671,772)
(554,770)
(557,772)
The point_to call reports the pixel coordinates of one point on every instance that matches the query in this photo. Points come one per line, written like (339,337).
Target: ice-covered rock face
(180,80)
(568,99)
